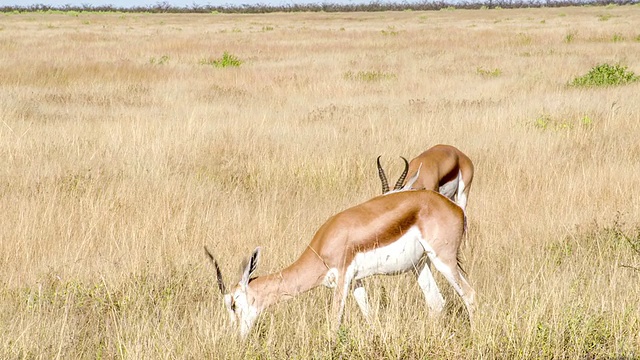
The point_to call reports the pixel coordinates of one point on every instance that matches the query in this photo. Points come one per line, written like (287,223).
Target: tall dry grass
(123,154)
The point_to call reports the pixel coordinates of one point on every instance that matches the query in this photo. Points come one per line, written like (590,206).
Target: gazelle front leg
(430,289)
(360,294)
(342,284)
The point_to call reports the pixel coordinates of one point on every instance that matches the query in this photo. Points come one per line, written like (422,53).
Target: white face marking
(399,256)
(240,311)
(230,306)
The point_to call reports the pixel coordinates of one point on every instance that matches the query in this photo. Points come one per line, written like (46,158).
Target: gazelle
(385,235)
(445,169)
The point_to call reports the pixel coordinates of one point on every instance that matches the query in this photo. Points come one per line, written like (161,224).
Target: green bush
(227,60)
(606,75)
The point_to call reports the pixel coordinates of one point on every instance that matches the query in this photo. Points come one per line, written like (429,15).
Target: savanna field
(130,141)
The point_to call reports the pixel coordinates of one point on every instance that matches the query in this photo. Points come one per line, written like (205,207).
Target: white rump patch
(461,198)
(450,188)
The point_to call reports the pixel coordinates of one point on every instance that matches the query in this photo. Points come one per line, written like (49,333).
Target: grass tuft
(488,72)
(369,76)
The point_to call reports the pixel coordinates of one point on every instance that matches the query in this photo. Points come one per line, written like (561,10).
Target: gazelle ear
(250,268)
(413,179)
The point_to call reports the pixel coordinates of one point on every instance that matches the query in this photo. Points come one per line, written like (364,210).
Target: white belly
(399,256)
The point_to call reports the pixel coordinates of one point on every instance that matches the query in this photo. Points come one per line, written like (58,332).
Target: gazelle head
(240,302)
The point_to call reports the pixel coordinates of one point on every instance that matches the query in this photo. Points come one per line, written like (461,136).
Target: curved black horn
(223,289)
(403,176)
(383,177)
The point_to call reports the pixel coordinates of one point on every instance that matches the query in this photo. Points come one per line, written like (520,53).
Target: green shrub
(606,75)
(227,60)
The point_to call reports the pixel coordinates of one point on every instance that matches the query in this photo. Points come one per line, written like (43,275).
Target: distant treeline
(165,7)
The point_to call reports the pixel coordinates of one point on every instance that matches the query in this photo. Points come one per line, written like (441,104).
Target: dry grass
(122,155)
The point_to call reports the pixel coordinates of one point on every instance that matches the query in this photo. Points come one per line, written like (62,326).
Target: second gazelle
(385,235)
(442,168)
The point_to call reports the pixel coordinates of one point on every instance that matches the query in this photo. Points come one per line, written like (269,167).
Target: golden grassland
(123,152)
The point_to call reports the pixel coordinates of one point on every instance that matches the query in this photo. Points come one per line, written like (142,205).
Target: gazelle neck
(304,274)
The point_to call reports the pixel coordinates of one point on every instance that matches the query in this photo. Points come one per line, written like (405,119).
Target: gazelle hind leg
(454,276)
(451,271)
(470,294)
(430,289)
(360,294)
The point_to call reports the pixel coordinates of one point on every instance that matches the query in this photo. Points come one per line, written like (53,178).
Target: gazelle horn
(403,176)
(221,286)
(383,177)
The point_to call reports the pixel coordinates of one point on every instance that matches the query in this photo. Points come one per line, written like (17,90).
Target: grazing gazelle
(385,235)
(444,169)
